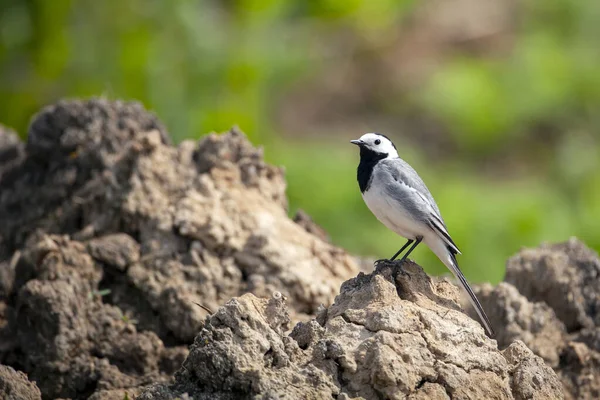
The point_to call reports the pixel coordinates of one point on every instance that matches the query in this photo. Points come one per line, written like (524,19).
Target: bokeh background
(495,103)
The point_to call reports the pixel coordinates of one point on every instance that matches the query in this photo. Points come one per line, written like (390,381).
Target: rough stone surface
(115,245)
(566,276)
(392,334)
(12,150)
(113,240)
(554,308)
(529,376)
(514,317)
(65,337)
(14,385)
(116,394)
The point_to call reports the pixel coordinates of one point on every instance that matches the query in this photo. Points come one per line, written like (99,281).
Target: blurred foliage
(205,65)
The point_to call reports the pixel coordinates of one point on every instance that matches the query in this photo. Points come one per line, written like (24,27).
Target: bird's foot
(383,264)
(382,260)
(388,261)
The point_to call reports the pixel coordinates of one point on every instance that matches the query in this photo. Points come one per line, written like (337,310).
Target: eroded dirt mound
(68,340)
(110,237)
(115,245)
(14,385)
(551,301)
(389,334)
(12,150)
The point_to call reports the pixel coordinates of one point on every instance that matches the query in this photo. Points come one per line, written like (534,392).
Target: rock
(12,150)
(83,126)
(305,221)
(116,245)
(553,308)
(116,394)
(530,377)
(209,220)
(14,385)
(580,365)
(69,341)
(113,240)
(234,152)
(566,276)
(390,334)
(514,317)
(118,250)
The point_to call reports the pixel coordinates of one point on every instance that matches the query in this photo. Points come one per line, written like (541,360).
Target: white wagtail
(397,196)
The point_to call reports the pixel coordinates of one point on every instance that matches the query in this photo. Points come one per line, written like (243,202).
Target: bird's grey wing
(407,187)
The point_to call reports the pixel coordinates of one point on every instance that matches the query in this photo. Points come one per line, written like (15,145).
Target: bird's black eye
(377,141)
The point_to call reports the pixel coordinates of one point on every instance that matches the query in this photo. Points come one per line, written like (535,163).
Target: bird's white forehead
(371,137)
(379,144)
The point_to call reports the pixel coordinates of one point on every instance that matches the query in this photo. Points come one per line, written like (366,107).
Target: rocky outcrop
(14,385)
(12,150)
(69,341)
(566,276)
(391,334)
(515,317)
(116,247)
(551,302)
(209,218)
(114,243)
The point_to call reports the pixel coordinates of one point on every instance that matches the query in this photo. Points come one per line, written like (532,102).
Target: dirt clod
(133,267)
(551,302)
(111,236)
(384,337)
(14,385)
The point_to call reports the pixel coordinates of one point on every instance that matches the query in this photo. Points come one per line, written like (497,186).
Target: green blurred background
(494,103)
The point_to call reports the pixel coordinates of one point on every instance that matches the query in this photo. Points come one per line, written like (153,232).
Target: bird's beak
(357,142)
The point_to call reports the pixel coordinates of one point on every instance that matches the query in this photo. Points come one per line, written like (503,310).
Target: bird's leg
(419,239)
(401,250)
(397,253)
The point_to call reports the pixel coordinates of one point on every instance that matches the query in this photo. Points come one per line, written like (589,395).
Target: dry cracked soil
(134,268)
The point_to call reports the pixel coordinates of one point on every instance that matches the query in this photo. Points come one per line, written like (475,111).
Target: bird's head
(375,146)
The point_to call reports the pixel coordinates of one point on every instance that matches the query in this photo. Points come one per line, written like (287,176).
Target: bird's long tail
(472,298)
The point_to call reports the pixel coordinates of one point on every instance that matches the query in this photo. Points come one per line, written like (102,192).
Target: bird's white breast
(390,212)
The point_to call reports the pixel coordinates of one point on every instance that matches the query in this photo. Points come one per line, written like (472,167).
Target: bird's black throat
(364,172)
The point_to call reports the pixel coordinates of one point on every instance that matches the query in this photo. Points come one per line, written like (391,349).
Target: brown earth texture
(133,268)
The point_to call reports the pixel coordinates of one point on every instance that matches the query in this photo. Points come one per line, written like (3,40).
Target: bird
(398,197)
